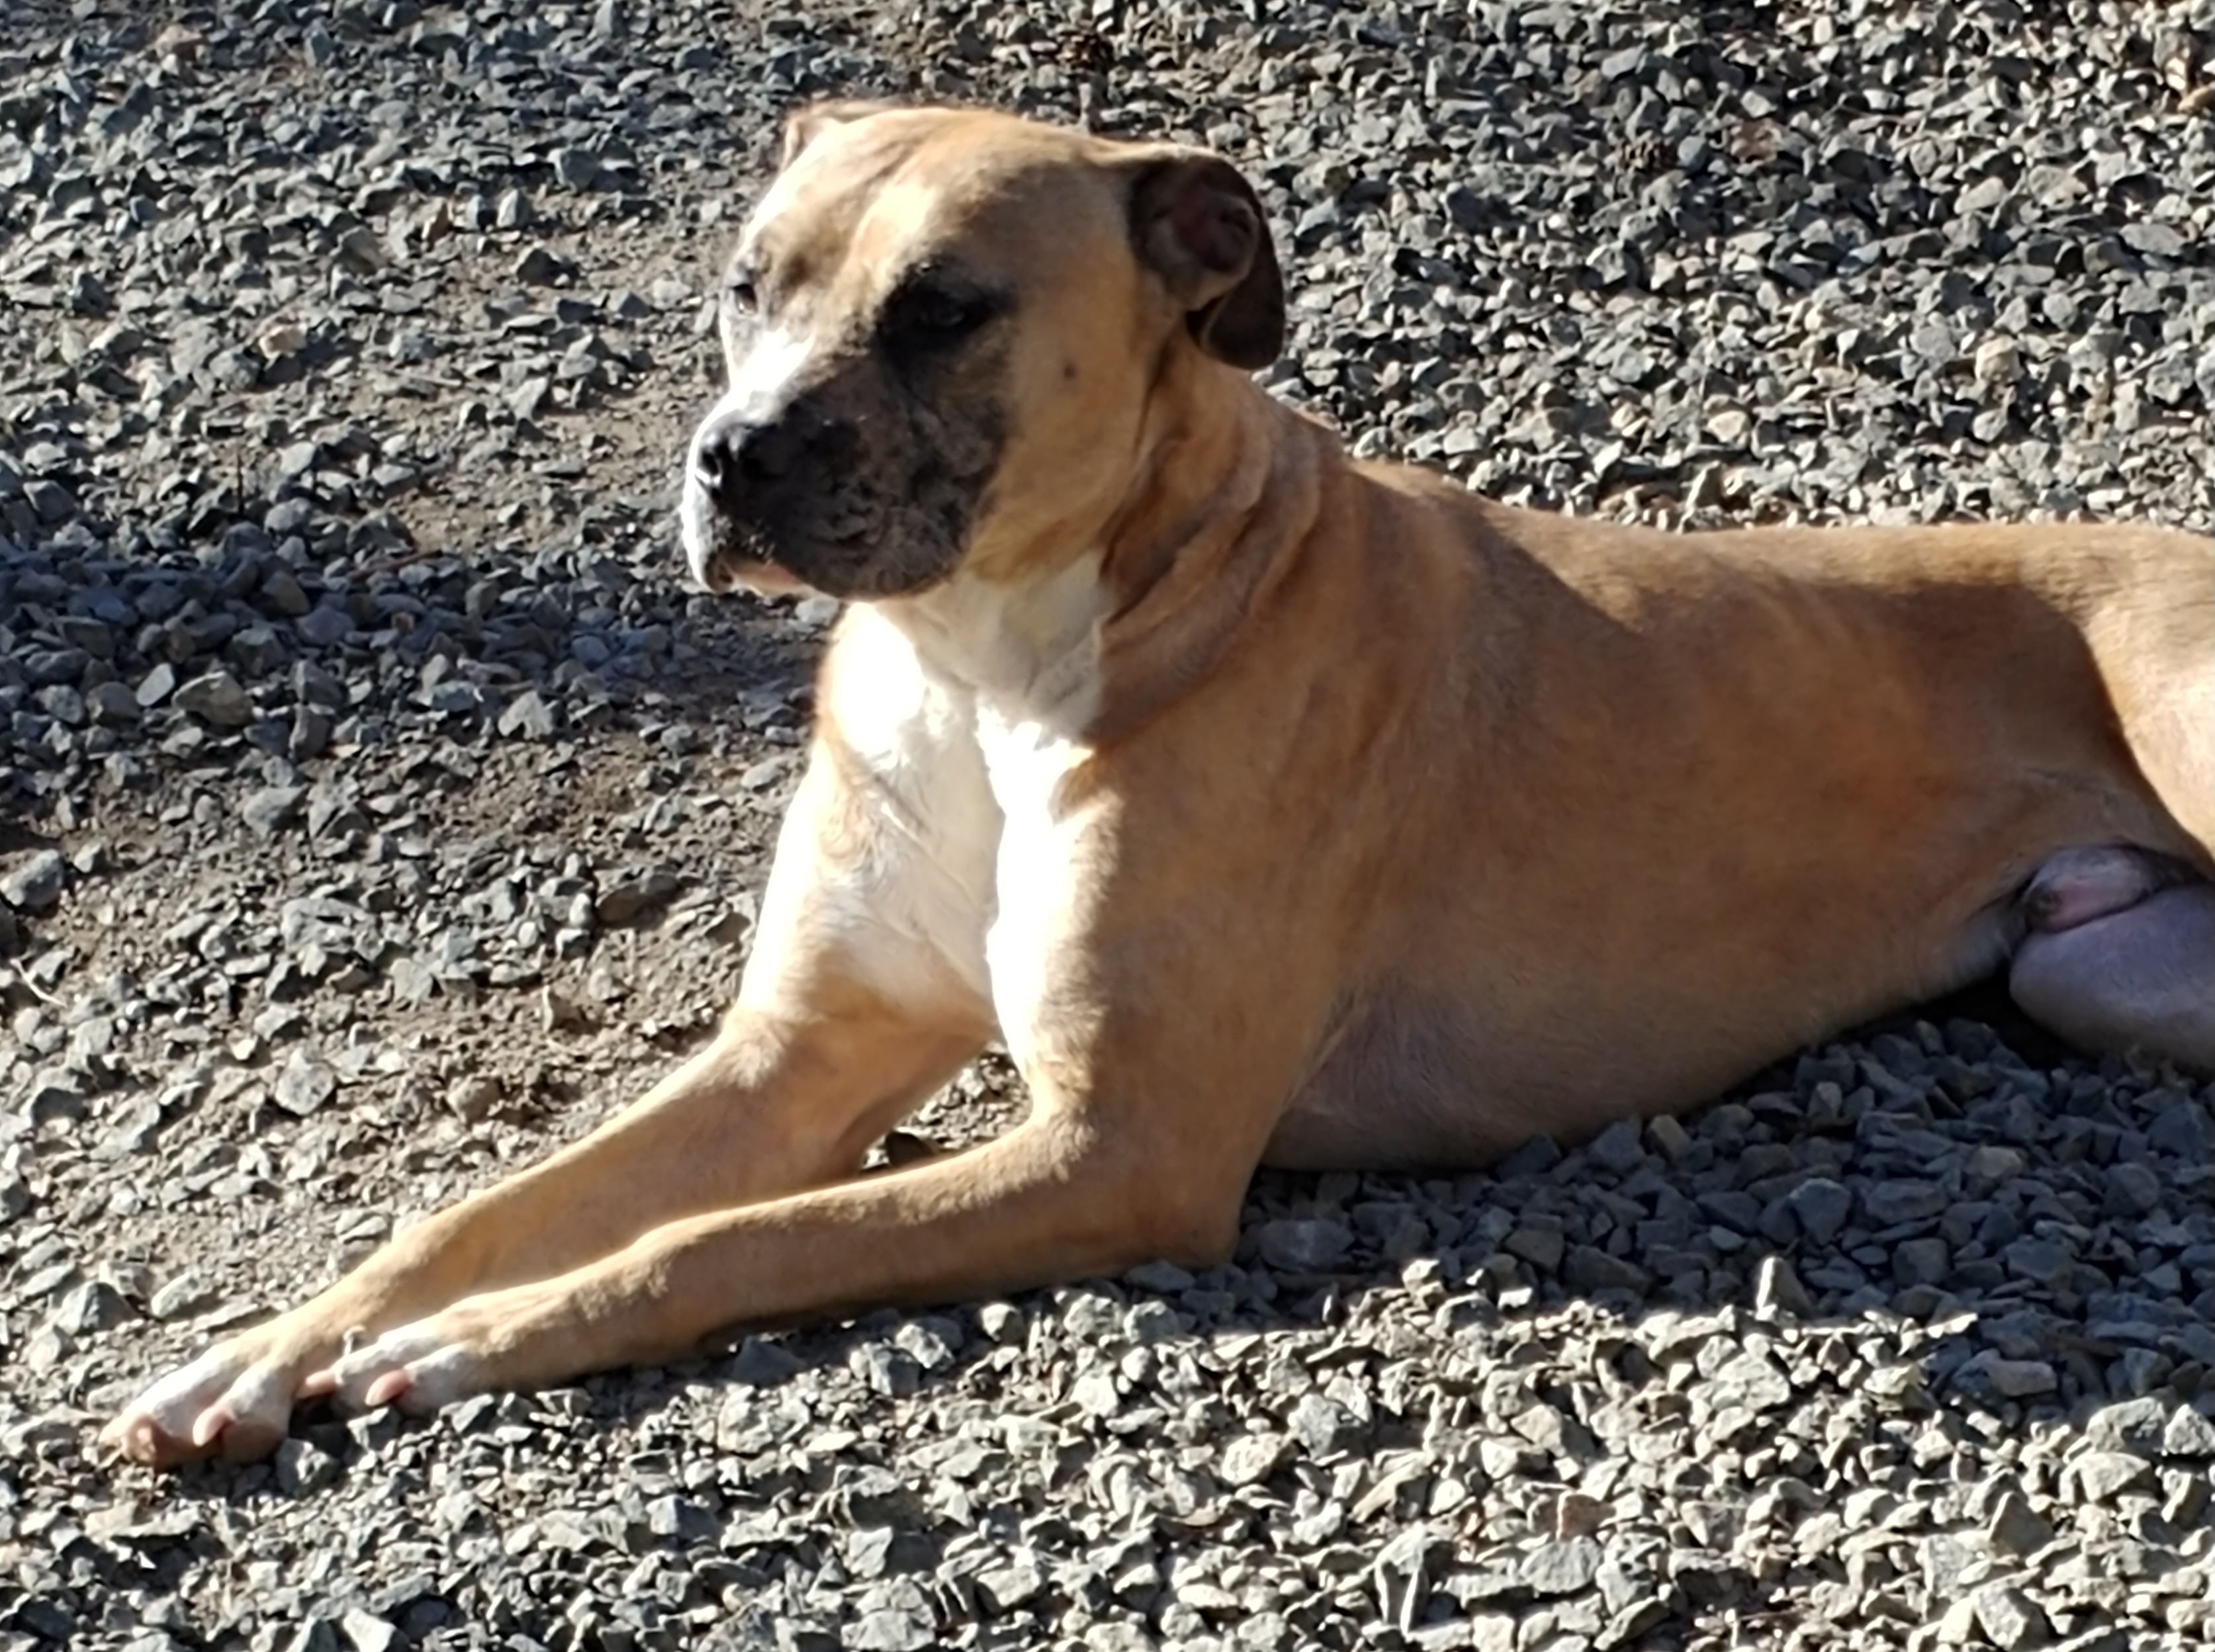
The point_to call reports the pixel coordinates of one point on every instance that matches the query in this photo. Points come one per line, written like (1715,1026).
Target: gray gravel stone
(304,1468)
(2017,1528)
(2188,1433)
(2181,1131)
(527,716)
(270,809)
(366,1632)
(1251,1459)
(324,626)
(1822,1207)
(1555,1568)
(217,698)
(1778,1292)
(1320,1424)
(1307,1245)
(32,882)
(2010,1619)
(305,1084)
(1618,1149)
(2021,1379)
(2102,1474)
(1891,1204)
(1753,1382)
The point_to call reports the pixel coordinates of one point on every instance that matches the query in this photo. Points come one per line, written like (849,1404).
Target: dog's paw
(234,1401)
(419,1367)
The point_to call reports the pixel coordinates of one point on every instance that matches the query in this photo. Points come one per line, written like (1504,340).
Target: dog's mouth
(835,534)
(725,556)
(859,563)
(743,558)
(724,575)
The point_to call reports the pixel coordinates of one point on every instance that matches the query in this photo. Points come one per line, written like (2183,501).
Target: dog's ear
(811,121)
(1200,227)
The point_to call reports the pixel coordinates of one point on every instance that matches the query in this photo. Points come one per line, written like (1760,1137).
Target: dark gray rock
(1821,1207)
(1304,1245)
(33,881)
(217,698)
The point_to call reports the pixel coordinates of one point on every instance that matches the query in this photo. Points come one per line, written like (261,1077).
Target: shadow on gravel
(1932,1252)
(128,643)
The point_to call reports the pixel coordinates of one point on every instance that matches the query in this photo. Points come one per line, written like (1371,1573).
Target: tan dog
(1271,808)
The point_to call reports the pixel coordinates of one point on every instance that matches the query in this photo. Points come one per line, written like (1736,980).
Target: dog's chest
(980,867)
(1034,877)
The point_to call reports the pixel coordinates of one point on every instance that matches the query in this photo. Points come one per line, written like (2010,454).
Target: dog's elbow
(1166,1211)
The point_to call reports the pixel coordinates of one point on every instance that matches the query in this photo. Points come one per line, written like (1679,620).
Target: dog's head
(944,330)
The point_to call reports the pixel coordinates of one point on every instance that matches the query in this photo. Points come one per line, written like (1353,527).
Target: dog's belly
(1403,1084)
(1411,1083)
(1412,1078)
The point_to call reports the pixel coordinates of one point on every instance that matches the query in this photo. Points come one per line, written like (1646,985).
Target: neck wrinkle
(1216,518)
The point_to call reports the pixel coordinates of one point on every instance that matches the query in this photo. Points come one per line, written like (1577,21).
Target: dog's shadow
(1676,1305)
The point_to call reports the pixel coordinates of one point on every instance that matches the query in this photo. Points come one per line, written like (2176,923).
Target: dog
(1270,807)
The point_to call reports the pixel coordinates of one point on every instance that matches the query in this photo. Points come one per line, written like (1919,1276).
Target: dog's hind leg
(2120,955)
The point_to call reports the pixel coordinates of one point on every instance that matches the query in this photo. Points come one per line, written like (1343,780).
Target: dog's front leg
(1151,1107)
(842,1024)
(768,1107)
(1051,1200)
(1075,1191)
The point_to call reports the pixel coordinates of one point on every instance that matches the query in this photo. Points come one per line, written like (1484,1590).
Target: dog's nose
(734,456)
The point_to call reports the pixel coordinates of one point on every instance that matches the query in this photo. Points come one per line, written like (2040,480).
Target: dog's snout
(715,458)
(730,454)
(735,456)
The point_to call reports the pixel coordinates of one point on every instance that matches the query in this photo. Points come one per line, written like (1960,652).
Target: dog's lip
(727,574)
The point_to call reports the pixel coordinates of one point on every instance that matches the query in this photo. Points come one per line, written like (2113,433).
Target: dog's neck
(1226,482)
(1231,484)
(1027,650)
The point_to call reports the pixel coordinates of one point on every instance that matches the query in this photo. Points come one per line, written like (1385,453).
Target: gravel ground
(376,809)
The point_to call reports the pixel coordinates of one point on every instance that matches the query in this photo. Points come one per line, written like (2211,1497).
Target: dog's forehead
(917,186)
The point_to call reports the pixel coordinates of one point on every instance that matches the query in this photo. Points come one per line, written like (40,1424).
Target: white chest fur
(966,708)
(1035,872)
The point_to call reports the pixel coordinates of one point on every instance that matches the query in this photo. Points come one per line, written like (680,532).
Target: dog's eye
(741,293)
(929,316)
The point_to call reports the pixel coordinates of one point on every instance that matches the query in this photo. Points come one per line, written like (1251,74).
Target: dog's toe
(419,1368)
(233,1400)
